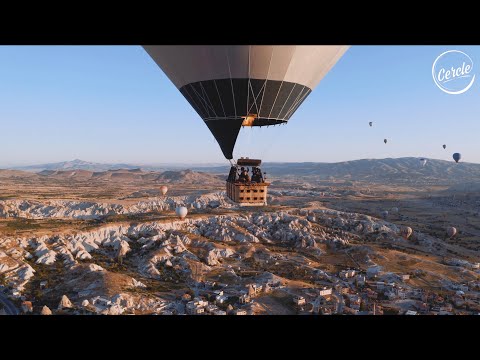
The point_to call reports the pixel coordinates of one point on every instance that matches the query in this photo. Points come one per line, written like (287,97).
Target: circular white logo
(452,72)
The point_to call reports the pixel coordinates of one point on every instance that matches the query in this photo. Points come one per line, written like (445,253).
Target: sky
(113,104)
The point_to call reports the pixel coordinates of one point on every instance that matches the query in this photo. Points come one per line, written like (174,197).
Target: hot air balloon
(181,212)
(394,210)
(406,232)
(231,86)
(444,146)
(451,232)
(423,161)
(385,214)
(457,157)
(164,189)
(385,141)
(370,123)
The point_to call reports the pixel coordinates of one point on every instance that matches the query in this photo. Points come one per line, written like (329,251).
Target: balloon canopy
(181,212)
(457,157)
(385,141)
(451,231)
(444,146)
(370,123)
(231,86)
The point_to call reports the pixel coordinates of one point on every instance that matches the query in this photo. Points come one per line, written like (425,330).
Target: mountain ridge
(402,170)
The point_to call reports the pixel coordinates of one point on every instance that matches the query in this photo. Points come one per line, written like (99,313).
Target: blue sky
(113,104)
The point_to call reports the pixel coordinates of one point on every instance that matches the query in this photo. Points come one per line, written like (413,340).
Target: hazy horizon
(207,164)
(112,104)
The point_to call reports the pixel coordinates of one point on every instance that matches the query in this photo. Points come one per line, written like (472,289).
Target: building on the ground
(299,300)
(219,312)
(193,308)
(211,308)
(220,299)
(244,299)
(239,312)
(325,291)
(346,274)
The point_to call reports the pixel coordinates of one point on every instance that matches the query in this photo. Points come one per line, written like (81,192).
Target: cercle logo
(452,72)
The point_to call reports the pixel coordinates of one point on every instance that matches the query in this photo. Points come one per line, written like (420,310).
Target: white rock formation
(65,303)
(45,311)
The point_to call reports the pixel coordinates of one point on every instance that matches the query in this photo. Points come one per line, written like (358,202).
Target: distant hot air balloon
(444,146)
(385,214)
(423,161)
(385,141)
(451,232)
(231,86)
(394,210)
(406,232)
(198,205)
(164,189)
(181,212)
(457,157)
(370,123)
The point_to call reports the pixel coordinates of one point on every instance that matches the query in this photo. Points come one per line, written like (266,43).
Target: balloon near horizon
(457,157)
(163,189)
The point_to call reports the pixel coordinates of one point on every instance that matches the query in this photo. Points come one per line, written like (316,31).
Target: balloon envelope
(457,157)
(250,85)
(406,231)
(444,146)
(423,161)
(164,189)
(385,214)
(451,231)
(370,123)
(181,212)
(385,141)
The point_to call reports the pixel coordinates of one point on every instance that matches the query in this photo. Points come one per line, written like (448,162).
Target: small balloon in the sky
(370,123)
(385,214)
(385,141)
(164,189)
(457,157)
(444,146)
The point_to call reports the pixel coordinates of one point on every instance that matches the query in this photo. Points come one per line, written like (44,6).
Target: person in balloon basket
(257,175)
(243,176)
(232,176)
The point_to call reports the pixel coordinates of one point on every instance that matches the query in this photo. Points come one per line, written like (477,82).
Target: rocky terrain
(319,247)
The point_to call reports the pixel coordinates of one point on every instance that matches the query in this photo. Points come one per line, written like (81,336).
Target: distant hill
(400,170)
(75,165)
(190,177)
(15,173)
(121,175)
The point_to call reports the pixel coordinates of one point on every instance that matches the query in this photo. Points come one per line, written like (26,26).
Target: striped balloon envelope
(244,85)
